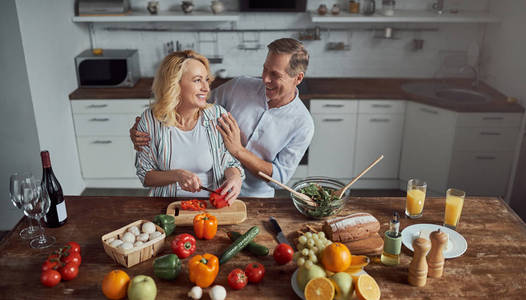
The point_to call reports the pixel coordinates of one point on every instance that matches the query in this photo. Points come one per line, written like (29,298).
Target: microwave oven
(273,5)
(111,68)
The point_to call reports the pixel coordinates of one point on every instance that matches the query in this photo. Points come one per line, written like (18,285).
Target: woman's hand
(187,180)
(232,185)
(138,138)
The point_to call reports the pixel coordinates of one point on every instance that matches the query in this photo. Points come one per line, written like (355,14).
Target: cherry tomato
(255,272)
(50,265)
(72,257)
(50,278)
(283,253)
(69,271)
(237,279)
(74,247)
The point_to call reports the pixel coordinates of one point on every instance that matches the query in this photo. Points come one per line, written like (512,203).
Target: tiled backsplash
(367,57)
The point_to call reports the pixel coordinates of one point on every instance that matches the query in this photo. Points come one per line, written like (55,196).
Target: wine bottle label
(61,211)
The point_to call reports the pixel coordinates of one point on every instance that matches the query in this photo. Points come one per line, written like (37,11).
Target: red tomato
(72,257)
(69,271)
(237,279)
(74,247)
(255,272)
(50,278)
(50,265)
(283,253)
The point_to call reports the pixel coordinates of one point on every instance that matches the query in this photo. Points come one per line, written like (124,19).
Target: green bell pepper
(166,222)
(167,267)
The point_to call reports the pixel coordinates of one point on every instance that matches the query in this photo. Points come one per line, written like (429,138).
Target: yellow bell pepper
(203,269)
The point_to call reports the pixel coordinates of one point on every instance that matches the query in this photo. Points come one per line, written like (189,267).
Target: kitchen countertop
(334,88)
(492,267)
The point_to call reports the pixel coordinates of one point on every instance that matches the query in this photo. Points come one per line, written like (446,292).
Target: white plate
(458,242)
(299,292)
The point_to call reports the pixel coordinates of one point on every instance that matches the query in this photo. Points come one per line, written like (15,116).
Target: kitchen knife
(279,234)
(208,190)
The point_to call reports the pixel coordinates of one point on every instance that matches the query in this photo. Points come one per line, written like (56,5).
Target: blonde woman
(186,150)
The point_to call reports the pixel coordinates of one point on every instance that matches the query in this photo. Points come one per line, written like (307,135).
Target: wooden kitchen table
(494,265)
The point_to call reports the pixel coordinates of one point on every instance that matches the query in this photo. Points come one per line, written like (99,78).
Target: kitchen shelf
(407,16)
(173,16)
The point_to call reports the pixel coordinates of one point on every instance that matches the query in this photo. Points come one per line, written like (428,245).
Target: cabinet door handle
(332,105)
(97,105)
(489,133)
(381,105)
(379,120)
(493,118)
(99,119)
(333,120)
(427,110)
(146,105)
(486,157)
(104,142)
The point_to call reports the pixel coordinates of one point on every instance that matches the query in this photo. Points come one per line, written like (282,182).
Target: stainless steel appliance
(111,68)
(103,7)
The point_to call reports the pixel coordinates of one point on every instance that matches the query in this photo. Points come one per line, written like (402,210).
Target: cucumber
(253,247)
(240,243)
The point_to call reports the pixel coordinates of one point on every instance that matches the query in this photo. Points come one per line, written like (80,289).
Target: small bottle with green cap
(392,242)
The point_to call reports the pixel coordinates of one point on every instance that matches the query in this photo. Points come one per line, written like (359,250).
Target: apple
(305,275)
(343,286)
(142,287)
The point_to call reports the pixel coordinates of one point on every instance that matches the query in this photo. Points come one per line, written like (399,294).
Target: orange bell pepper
(205,226)
(203,269)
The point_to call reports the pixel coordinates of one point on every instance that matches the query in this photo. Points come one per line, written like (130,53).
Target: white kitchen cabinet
(427,145)
(331,151)
(105,149)
(379,131)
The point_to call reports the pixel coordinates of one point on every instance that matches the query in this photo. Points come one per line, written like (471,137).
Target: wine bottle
(57,214)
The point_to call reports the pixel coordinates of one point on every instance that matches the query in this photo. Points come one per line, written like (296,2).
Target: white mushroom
(111,239)
(134,229)
(148,227)
(116,243)
(126,245)
(155,235)
(128,237)
(143,237)
(138,244)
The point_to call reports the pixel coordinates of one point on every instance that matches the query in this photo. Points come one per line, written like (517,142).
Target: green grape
(315,237)
(308,264)
(308,235)
(321,234)
(310,243)
(305,252)
(313,258)
(300,261)
(302,239)
(296,255)
(315,250)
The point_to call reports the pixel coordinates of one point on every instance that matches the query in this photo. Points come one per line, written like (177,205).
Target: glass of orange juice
(454,204)
(416,195)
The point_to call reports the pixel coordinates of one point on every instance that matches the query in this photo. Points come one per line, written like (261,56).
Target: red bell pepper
(183,245)
(193,204)
(217,200)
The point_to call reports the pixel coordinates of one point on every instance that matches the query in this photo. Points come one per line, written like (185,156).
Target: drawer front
(103,124)
(120,106)
(481,173)
(106,157)
(486,139)
(489,120)
(333,106)
(426,114)
(381,107)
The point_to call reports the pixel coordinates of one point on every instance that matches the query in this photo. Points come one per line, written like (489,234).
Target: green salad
(323,197)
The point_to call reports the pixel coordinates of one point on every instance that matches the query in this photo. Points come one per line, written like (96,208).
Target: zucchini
(253,247)
(240,243)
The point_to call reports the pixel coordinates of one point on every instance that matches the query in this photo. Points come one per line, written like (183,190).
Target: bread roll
(350,228)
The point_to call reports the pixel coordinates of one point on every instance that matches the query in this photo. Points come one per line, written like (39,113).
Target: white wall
(18,132)
(50,42)
(368,57)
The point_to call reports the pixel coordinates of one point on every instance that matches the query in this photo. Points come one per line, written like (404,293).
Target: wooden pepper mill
(435,259)
(418,266)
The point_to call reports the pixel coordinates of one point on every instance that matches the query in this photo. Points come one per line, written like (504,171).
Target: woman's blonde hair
(166,85)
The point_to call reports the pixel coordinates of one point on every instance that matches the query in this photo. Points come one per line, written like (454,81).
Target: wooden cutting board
(233,214)
(372,245)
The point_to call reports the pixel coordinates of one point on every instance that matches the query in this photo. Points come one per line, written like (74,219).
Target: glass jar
(368,7)
(354,6)
(388,7)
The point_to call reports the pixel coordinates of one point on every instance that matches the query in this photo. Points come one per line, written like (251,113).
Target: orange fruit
(320,288)
(336,257)
(115,284)
(367,288)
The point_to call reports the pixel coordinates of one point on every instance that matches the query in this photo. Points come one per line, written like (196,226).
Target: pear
(305,275)
(343,286)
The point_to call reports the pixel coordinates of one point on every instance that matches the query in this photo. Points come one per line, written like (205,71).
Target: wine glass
(36,204)
(15,191)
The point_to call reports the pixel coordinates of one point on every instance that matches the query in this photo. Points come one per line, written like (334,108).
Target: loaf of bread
(350,228)
(372,245)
